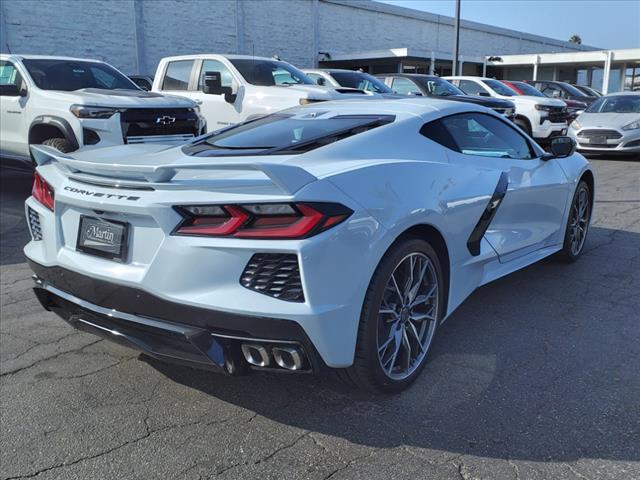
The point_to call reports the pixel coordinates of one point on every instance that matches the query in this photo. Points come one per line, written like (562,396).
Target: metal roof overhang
(400,53)
(597,57)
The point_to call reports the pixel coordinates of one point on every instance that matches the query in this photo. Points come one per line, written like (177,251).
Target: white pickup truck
(541,118)
(234,88)
(69,103)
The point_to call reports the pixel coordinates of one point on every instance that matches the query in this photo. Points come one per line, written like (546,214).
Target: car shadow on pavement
(541,365)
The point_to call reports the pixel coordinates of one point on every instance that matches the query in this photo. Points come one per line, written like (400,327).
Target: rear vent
(274,274)
(34,224)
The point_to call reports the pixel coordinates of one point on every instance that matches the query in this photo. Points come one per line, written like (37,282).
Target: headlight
(544,108)
(576,125)
(87,111)
(196,109)
(632,126)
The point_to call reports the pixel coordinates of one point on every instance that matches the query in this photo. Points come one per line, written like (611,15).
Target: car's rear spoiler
(289,178)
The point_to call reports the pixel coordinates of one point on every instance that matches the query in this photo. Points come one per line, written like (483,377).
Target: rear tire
(60,144)
(575,235)
(402,309)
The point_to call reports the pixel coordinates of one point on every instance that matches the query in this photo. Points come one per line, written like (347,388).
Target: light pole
(456,39)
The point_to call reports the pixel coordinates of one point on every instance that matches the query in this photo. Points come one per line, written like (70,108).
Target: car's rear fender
(450,198)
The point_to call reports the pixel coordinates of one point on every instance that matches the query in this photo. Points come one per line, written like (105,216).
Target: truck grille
(148,122)
(558,115)
(274,274)
(34,224)
(607,134)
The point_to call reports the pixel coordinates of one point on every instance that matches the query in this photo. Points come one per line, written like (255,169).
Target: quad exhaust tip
(288,358)
(256,355)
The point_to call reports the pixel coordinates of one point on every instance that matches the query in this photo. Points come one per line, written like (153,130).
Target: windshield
(573,91)
(360,80)
(529,89)
(616,104)
(500,88)
(269,72)
(70,75)
(438,87)
(290,132)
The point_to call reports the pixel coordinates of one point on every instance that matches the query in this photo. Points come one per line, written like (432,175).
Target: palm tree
(575,39)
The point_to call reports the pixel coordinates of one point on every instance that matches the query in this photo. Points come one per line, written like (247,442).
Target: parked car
(436,87)
(562,90)
(68,103)
(589,91)
(234,88)
(336,235)
(144,82)
(336,77)
(574,107)
(541,118)
(610,125)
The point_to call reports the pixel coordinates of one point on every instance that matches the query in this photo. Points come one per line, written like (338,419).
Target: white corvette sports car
(332,235)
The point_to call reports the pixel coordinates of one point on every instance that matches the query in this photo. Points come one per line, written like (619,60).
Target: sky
(607,24)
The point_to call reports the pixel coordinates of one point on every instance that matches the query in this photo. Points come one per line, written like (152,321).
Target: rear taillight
(42,191)
(266,220)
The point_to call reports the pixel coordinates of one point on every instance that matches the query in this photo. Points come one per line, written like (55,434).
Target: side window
(478,134)
(315,77)
(215,66)
(552,91)
(177,75)
(471,88)
(9,75)
(404,86)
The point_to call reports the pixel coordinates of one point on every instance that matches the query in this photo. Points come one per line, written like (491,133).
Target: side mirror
(321,81)
(561,147)
(11,90)
(484,94)
(212,85)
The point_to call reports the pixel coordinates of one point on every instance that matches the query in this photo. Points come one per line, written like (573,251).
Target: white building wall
(134,34)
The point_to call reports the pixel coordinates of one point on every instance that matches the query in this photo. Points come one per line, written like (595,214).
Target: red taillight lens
(42,191)
(266,221)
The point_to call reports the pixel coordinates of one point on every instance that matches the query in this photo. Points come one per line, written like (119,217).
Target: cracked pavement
(535,376)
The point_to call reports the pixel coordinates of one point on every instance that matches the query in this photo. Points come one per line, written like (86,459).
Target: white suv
(231,89)
(69,103)
(541,118)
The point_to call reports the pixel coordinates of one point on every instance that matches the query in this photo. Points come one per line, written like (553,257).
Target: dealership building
(134,35)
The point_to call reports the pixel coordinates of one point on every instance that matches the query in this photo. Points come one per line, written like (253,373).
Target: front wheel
(577,224)
(61,144)
(401,312)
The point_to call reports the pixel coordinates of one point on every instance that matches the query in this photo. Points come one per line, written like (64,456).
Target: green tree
(575,39)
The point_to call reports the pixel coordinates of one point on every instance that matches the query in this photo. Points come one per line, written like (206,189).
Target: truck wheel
(60,144)
(524,125)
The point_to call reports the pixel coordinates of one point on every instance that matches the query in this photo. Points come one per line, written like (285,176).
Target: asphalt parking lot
(536,376)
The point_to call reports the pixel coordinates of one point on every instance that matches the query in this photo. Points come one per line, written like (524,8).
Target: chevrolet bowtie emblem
(166,120)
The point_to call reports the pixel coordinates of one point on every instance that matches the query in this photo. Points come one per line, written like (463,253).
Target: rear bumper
(166,330)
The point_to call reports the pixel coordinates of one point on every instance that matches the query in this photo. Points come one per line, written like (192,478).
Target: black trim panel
(473,244)
(136,301)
